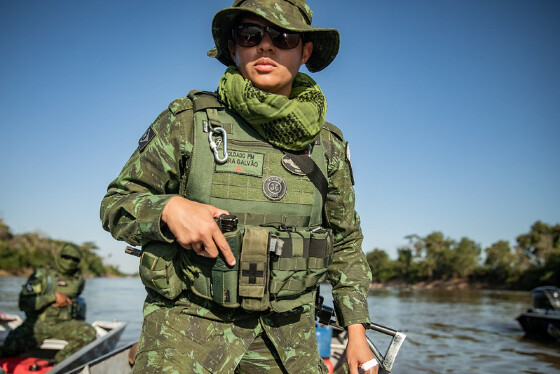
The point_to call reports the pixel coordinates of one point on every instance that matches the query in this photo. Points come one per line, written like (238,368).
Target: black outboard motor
(546,297)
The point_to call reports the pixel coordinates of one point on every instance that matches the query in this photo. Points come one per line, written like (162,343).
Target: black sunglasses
(250,35)
(66,257)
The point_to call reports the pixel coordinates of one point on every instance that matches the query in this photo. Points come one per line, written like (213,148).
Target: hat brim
(326,42)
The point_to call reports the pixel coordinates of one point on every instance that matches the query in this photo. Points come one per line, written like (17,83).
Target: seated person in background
(49,300)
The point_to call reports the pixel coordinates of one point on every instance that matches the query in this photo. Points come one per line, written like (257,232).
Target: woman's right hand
(194,227)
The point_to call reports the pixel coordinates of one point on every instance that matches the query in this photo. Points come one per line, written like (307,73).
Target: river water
(447,331)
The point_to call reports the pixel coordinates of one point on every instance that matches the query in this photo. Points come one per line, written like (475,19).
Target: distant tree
(541,246)
(540,243)
(9,260)
(436,252)
(500,261)
(444,258)
(409,266)
(382,268)
(465,258)
(425,264)
(5,233)
(405,258)
(21,253)
(91,263)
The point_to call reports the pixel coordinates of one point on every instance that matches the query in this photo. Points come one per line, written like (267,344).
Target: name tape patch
(241,162)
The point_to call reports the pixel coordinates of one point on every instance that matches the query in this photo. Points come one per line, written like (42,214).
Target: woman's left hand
(358,351)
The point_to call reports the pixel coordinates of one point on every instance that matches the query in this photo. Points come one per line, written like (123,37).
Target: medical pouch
(253,274)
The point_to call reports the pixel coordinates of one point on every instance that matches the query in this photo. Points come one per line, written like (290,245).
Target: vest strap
(203,100)
(305,247)
(256,219)
(312,171)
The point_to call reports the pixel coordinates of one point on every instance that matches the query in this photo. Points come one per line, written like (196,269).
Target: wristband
(370,364)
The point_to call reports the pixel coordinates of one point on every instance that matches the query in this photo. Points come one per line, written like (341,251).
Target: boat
(121,360)
(542,320)
(39,359)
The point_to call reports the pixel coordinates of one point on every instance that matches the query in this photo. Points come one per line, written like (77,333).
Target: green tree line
(533,261)
(20,254)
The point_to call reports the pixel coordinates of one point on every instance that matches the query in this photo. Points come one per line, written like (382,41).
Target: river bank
(450,284)
(28,271)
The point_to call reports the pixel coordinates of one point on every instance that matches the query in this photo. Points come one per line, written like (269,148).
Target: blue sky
(451,107)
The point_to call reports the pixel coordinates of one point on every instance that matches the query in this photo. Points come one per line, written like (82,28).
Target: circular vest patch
(274,188)
(291,166)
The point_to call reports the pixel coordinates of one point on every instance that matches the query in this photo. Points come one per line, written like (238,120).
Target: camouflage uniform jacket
(38,294)
(131,209)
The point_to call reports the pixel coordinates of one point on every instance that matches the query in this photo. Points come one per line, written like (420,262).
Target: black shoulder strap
(312,171)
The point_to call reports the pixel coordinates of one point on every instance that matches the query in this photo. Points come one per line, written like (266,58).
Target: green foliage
(21,253)
(534,261)
(540,250)
(499,263)
(444,258)
(465,258)
(382,269)
(4,231)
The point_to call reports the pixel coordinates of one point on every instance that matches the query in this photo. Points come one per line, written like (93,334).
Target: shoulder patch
(29,287)
(146,138)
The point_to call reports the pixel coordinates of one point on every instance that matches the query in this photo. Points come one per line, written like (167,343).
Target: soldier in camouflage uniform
(243,301)
(49,300)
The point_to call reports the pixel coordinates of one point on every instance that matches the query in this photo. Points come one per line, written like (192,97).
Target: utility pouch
(253,274)
(212,278)
(276,268)
(299,262)
(158,270)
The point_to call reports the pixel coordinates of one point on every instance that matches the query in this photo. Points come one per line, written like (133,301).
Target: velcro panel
(304,247)
(318,248)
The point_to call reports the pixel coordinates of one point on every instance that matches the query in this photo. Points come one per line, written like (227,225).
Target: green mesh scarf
(289,123)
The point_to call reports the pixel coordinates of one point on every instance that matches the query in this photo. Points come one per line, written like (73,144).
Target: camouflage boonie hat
(292,15)
(72,251)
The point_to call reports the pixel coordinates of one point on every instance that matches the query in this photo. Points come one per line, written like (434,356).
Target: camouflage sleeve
(36,293)
(349,274)
(132,207)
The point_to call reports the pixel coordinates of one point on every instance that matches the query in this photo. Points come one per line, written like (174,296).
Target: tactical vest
(69,285)
(281,246)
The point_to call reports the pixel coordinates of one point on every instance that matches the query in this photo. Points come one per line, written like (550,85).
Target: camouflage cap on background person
(68,259)
(71,250)
(292,15)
